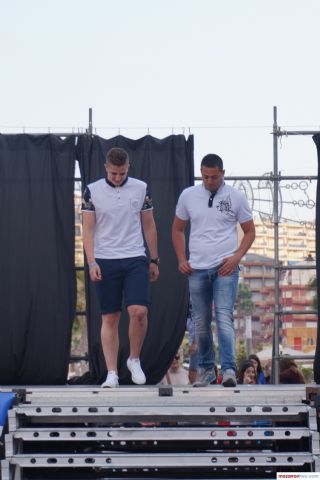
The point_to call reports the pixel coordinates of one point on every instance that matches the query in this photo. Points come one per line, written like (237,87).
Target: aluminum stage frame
(162,432)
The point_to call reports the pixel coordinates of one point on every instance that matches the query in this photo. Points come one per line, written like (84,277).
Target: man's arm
(150,234)
(179,243)
(88,223)
(249,231)
(230,263)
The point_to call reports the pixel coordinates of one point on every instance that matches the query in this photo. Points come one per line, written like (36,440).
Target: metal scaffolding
(275,178)
(278,133)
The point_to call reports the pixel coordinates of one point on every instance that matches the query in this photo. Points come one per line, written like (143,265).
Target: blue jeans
(207,287)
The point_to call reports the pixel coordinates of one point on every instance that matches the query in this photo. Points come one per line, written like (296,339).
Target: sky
(211,68)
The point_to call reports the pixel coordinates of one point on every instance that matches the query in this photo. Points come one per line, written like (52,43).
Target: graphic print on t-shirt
(225,205)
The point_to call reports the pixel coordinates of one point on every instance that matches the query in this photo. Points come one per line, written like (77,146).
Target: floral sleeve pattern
(87,204)
(147,204)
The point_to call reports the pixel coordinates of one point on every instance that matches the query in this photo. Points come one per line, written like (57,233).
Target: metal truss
(137,433)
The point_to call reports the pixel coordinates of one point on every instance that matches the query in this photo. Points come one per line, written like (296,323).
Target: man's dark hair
(117,156)
(212,160)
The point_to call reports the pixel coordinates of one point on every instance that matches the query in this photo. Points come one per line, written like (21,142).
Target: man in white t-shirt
(115,210)
(213,209)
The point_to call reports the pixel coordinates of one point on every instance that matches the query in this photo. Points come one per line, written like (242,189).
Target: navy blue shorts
(123,280)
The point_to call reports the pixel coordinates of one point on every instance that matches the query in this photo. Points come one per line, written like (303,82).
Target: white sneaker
(137,375)
(112,380)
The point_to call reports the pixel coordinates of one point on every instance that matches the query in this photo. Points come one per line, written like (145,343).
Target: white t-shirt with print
(213,234)
(118,210)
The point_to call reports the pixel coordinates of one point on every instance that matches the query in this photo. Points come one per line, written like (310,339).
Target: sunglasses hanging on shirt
(211,199)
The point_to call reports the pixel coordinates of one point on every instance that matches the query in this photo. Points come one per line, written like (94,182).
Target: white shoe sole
(109,386)
(137,381)
(106,385)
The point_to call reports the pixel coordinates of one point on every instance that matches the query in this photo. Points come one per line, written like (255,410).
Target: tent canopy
(266,353)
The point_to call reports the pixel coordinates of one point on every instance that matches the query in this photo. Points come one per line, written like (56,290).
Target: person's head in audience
(247,373)
(177,361)
(256,362)
(289,371)
(267,370)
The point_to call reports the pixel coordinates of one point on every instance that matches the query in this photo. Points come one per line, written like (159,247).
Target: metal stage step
(247,432)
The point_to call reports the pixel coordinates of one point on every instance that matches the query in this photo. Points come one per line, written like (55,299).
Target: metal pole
(275,345)
(266,177)
(248,320)
(90,129)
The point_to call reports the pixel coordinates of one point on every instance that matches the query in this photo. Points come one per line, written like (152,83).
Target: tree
(313,286)
(241,351)
(246,307)
(245,304)
(79,328)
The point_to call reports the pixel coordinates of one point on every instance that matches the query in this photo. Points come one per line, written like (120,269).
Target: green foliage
(307,373)
(241,351)
(245,304)
(313,286)
(79,333)
(81,299)
(185,346)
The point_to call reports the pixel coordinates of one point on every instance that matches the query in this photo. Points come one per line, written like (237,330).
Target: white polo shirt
(117,209)
(213,234)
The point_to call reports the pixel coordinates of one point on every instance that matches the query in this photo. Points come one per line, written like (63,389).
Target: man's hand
(185,267)
(229,265)
(154,272)
(95,272)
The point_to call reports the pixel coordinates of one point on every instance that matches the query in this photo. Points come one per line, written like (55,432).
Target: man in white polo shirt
(213,210)
(115,210)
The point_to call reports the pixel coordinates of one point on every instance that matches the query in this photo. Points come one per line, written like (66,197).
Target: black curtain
(37,282)
(167,166)
(316,366)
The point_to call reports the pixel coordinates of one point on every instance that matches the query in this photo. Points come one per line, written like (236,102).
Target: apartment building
(296,241)
(298,331)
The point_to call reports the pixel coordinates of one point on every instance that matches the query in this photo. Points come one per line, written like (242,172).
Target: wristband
(92,264)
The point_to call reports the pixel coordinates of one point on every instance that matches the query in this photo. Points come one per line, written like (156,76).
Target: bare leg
(110,339)
(137,328)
